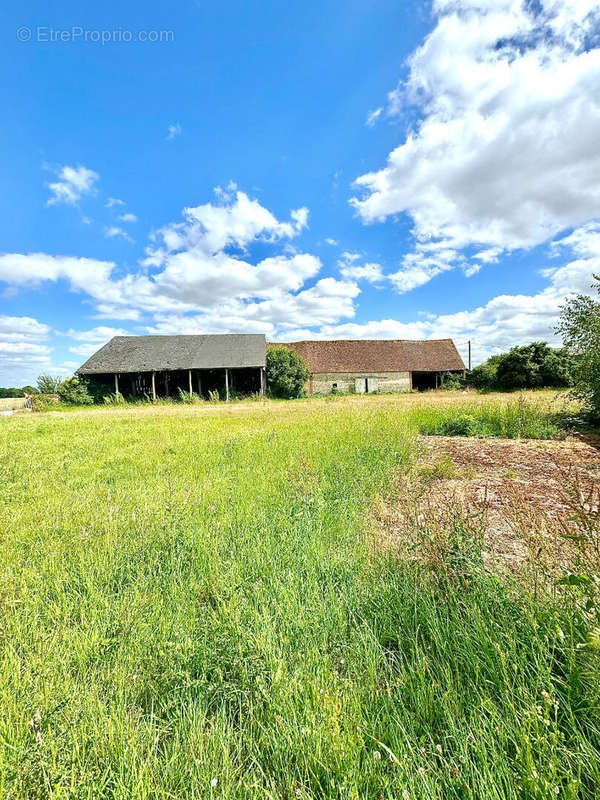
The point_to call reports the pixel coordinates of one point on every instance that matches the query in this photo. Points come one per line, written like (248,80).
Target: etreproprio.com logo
(46,34)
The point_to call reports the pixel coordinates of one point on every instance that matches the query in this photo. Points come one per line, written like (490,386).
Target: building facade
(370,365)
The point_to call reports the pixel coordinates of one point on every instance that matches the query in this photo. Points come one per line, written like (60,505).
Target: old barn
(160,366)
(366,365)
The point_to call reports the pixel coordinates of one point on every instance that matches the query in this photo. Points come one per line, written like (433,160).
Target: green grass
(190,597)
(519,418)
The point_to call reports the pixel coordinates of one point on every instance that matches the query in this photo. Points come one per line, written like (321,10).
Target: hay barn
(160,366)
(368,365)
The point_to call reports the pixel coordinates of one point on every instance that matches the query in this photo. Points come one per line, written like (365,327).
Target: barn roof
(147,353)
(379,355)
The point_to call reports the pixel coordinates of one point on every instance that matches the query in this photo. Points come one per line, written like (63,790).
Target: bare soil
(527,496)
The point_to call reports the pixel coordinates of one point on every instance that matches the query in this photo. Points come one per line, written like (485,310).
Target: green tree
(75,392)
(579,326)
(29,390)
(48,384)
(530,366)
(286,372)
(484,375)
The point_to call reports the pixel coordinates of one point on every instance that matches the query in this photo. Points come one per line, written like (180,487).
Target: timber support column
(116,383)
(263,380)
(190,380)
(153,387)
(226,384)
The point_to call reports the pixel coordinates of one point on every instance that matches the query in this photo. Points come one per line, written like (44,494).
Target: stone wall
(323,382)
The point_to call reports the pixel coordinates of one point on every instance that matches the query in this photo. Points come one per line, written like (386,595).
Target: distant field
(196,603)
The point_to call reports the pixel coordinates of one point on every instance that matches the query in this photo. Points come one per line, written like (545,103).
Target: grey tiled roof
(147,353)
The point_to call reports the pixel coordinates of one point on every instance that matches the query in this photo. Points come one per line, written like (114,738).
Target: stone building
(368,365)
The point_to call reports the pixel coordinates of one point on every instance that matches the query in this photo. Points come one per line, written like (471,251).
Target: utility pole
(469,355)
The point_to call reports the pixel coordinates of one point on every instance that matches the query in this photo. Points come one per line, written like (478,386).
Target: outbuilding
(161,366)
(368,365)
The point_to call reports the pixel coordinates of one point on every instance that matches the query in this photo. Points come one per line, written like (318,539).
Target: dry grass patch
(533,504)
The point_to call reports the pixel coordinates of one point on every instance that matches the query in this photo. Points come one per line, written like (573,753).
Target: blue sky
(332,170)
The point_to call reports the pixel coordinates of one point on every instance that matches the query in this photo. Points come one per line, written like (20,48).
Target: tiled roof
(379,355)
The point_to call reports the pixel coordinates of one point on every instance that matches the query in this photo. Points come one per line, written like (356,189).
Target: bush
(74,391)
(579,325)
(287,372)
(452,381)
(48,384)
(531,366)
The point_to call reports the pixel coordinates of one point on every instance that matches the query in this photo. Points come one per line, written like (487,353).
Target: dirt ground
(530,498)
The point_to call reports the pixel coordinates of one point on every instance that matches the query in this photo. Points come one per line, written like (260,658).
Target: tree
(579,326)
(48,384)
(530,366)
(286,372)
(75,392)
(29,390)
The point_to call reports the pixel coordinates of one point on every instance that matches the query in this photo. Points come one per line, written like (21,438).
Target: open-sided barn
(162,365)
(366,365)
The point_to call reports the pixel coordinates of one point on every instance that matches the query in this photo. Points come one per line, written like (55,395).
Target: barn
(368,365)
(160,366)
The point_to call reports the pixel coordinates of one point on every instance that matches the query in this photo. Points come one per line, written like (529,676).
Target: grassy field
(193,605)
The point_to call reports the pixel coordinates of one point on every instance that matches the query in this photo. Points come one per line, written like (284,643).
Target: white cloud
(494,327)
(73,184)
(128,218)
(505,154)
(99,335)
(332,242)
(349,268)
(23,349)
(115,232)
(373,116)
(202,265)
(174,130)
(22,329)
(114,201)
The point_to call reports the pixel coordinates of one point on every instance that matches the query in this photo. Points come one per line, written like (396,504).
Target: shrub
(74,391)
(452,381)
(484,376)
(48,384)
(531,366)
(40,402)
(115,399)
(189,398)
(287,372)
(579,325)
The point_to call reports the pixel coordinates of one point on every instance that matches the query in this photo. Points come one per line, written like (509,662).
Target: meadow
(195,604)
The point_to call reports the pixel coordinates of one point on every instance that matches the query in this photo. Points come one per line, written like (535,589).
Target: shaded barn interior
(165,366)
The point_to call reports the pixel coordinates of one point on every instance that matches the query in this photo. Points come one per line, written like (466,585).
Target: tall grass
(515,419)
(192,608)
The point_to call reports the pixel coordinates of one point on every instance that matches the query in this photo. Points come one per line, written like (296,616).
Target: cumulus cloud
(352,270)
(203,265)
(505,153)
(128,218)
(23,349)
(72,184)
(114,201)
(501,323)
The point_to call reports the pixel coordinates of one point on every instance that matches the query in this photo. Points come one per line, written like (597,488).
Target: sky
(314,169)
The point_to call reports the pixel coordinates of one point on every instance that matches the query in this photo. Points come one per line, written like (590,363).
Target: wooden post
(199,385)
(153,387)
(190,380)
(116,383)
(226,384)
(263,380)
(469,355)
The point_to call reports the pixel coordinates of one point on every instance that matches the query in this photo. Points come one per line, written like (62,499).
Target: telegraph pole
(469,355)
